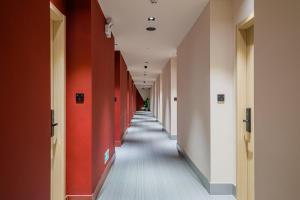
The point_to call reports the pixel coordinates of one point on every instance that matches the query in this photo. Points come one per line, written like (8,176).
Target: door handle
(53,124)
(248,120)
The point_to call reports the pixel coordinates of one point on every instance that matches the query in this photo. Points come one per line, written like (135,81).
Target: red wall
(123,92)
(60,5)
(121,84)
(90,69)
(103,53)
(134,100)
(129,99)
(79,116)
(118,132)
(25,103)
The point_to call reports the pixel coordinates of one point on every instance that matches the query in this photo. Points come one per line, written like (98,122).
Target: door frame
(57,15)
(241,62)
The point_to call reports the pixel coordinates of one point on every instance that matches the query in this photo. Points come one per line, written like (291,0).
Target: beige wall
(173,95)
(277,97)
(152,97)
(166,97)
(160,98)
(242,10)
(194,93)
(168,80)
(206,129)
(222,123)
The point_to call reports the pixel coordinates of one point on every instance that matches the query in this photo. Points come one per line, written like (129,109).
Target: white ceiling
(174,18)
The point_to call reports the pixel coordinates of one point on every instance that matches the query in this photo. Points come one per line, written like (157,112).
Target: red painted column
(103,62)
(128,118)
(123,93)
(79,116)
(90,126)
(121,84)
(118,132)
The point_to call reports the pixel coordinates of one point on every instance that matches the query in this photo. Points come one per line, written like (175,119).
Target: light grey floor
(148,167)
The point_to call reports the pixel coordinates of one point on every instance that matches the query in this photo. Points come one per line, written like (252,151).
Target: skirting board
(212,188)
(99,185)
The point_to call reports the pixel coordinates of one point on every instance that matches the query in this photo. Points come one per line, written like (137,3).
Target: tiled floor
(148,167)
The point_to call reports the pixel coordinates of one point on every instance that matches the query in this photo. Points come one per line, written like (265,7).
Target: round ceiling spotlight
(151,28)
(151,19)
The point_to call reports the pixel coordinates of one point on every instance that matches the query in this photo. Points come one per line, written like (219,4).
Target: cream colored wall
(152,97)
(158,98)
(194,93)
(173,95)
(277,97)
(242,9)
(166,97)
(222,122)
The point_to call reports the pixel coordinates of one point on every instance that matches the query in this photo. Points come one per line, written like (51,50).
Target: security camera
(108,27)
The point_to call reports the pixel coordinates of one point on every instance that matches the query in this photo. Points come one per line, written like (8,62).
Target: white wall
(193,86)
(223,143)
(277,97)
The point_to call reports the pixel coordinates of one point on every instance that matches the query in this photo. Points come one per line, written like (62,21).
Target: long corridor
(148,167)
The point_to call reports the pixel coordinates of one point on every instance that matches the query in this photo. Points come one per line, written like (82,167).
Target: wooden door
(245,111)
(58,108)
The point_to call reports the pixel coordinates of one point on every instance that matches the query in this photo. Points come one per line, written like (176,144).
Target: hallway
(148,167)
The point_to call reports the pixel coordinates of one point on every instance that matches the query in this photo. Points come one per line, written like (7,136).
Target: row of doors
(245,107)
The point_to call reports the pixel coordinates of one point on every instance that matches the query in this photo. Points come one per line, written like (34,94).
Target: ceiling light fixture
(150,28)
(151,18)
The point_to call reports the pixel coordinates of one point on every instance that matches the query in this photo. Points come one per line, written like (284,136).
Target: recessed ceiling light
(151,18)
(153,1)
(150,28)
